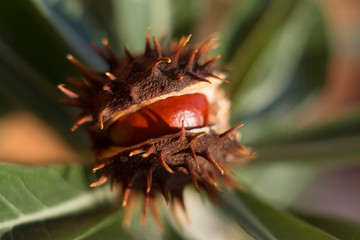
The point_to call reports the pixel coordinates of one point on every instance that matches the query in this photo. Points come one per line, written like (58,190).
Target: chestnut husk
(167,164)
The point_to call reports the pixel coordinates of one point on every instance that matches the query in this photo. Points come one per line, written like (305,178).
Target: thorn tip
(99,182)
(230,131)
(110,76)
(161,160)
(67,92)
(209,158)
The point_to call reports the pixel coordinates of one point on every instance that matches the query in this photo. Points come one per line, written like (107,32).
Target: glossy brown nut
(160,118)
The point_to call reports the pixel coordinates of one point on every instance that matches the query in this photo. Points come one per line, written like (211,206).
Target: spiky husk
(169,163)
(161,165)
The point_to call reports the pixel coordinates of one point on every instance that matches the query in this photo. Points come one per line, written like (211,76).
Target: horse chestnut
(156,121)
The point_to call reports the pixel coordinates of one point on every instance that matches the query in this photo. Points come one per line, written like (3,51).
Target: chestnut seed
(160,118)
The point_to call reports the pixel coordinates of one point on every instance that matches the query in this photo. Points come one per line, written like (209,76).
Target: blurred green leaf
(183,15)
(331,151)
(101,14)
(343,229)
(260,83)
(72,23)
(238,26)
(276,13)
(271,129)
(286,179)
(345,126)
(75,226)
(34,39)
(116,231)
(31,194)
(264,222)
(32,62)
(133,18)
(289,177)
(171,233)
(24,88)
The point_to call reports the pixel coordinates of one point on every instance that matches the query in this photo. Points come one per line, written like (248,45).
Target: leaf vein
(11,206)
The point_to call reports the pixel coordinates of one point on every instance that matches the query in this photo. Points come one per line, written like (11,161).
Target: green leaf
(347,125)
(116,231)
(75,226)
(343,229)
(101,14)
(286,180)
(275,14)
(330,144)
(272,130)
(133,18)
(34,39)
(31,194)
(24,88)
(32,63)
(345,149)
(183,15)
(171,233)
(262,81)
(70,20)
(264,222)
(236,28)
